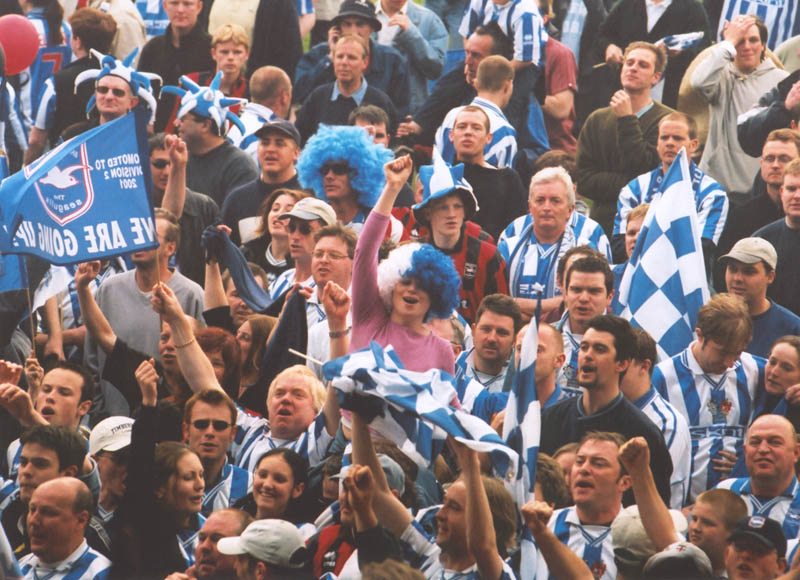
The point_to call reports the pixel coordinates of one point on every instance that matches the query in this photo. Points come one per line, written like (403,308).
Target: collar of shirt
(358,96)
(643,110)
(691,363)
(261,111)
(379,11)
(65,564)
(644,399)
(654,11)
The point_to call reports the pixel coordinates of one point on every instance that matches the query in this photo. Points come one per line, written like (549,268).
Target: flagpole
(30,318)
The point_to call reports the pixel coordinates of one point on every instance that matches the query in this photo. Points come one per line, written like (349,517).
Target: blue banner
(87,199)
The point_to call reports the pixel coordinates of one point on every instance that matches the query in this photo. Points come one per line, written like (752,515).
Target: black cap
(360,8)
(281,126)
(763,529)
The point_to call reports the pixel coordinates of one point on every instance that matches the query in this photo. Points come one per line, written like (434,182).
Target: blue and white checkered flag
(522,430)
(681,42)
(412,408)
(664,283)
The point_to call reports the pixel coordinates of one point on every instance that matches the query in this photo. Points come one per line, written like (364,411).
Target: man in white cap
(268,550)
(749,270)
(308,216)
(108,446)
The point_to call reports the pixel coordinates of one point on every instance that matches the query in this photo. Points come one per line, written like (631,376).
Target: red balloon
(20,42)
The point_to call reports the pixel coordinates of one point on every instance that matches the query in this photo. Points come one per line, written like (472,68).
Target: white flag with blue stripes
(412,408)
(522,430)
(664,283)
(681,42)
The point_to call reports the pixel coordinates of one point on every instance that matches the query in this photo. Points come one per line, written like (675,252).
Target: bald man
(770,452)
(57,516)
(270,99)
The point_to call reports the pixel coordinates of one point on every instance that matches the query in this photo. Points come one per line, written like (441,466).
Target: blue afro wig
(351,144)
(433,270)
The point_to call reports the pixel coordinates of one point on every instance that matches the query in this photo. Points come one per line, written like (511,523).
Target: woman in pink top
(392,302)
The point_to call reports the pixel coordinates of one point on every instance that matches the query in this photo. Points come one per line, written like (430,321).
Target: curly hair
(433,271)
(351,144)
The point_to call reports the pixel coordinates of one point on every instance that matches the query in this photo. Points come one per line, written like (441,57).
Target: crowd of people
(431,182)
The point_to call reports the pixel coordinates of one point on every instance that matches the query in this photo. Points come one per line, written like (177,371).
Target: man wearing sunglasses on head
(209,427)
(308,216)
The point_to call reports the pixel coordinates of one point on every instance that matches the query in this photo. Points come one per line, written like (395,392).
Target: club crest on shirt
(719,412)
(598,569)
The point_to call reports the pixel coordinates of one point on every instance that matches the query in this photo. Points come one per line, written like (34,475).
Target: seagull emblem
(62,178)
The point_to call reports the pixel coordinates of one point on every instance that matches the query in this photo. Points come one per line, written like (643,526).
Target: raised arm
(397,172)
(561,561)
(97,324)
(480,528)
(635,456)
(175,192)
(214,288)
(337,305)
(194,363)
(391,513)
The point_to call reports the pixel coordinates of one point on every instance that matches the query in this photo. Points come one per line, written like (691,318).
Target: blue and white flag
(681,42)
(781,17)
(664,284)
(412,408)
(87,199)
(522,429)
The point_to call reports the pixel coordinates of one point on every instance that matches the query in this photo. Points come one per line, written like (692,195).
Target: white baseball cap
(276,542)
(111,434)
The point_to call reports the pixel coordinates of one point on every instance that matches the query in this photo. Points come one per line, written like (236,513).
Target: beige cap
(752,250)
(312,208)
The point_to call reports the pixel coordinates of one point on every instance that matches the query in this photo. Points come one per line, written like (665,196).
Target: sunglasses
(218,424)
(303,226)
(117,92)
(338,168)
(160,163)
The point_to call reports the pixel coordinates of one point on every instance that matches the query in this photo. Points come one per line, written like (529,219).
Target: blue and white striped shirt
(567,374)
(49,60)
(675,429)
(592,543)
(501,152)
(784,508)
(781,17)
(514,246)
(520,20)
(234,483)
(154,16)
(253,439)
(83,564)
(465,371)
(187,539)
(718,408)
(710,199)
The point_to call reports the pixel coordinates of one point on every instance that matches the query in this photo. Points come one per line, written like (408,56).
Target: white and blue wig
(350,144)
(139,81)
(208,102)
(433,271)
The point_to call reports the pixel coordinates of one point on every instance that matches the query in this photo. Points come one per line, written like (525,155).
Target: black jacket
(772,114)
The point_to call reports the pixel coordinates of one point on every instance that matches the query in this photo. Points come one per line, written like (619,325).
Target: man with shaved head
(57,516)
(770,452)
(209,563)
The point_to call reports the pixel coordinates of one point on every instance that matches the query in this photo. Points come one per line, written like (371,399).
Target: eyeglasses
(338,168)
(335,256)
(302,225)
(218,424)
(116,92)
(160,163)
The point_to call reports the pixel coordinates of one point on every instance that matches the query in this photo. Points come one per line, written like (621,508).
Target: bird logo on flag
(66,191)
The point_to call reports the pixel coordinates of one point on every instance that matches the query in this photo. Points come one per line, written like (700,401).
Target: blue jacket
(388,71)
(424,44)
